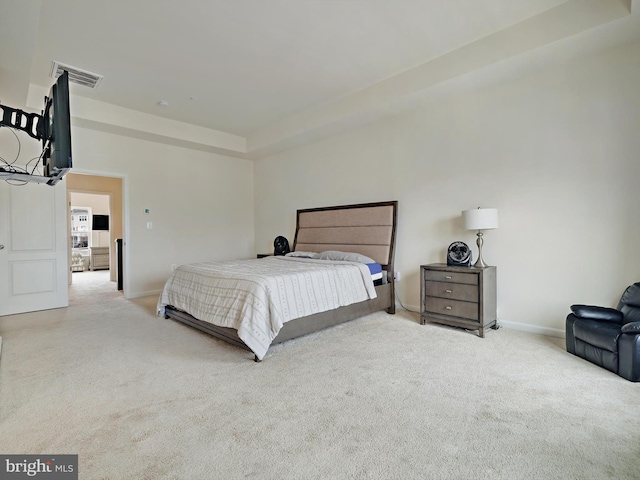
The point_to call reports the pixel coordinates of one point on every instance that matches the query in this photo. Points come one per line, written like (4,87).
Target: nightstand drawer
(453,277)
(455,291)
(100,261)
(454,308)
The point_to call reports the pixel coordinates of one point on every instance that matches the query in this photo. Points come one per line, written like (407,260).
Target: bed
(367,229)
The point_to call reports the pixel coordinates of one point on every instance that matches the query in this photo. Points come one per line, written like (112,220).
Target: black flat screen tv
(56,139)
(100,222)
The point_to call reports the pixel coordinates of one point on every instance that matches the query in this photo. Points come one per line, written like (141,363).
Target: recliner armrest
(631,327)
(593,312)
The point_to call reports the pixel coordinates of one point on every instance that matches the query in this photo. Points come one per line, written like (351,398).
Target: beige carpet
(140,397)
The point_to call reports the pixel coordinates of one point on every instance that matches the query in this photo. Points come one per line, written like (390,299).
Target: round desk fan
(459,254)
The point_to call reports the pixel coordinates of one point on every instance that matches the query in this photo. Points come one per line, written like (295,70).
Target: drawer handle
(448,277)
(448,291)
(447,307)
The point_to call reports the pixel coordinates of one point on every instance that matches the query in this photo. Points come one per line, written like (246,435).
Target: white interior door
(33,252)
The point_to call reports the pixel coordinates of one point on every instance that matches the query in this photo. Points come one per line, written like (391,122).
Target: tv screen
(56,131)
(100,222)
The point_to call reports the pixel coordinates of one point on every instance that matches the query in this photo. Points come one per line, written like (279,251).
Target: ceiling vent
(81,77)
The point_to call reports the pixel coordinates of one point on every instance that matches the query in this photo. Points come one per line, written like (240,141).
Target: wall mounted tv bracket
(28,122)
(33,124)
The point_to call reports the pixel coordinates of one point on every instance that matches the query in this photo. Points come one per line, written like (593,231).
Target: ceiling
(267,70)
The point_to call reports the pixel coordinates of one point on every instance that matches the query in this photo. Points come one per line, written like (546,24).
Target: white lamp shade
(480,219)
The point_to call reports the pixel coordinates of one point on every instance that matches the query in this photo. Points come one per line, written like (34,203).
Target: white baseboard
(411,308)
(143,294)
(523,327)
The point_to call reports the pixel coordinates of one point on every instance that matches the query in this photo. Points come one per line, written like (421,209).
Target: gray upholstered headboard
(366,228)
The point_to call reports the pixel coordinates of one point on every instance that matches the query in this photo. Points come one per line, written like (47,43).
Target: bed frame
(366,228)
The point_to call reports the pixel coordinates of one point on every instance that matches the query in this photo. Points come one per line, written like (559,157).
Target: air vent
(81,77)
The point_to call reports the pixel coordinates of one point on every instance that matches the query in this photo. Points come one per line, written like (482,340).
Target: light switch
(149,225)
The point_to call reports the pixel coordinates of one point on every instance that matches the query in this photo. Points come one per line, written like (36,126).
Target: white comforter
(256,297)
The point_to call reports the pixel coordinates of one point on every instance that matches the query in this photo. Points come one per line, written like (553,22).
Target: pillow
(302,254)
(345,256)
(375,268)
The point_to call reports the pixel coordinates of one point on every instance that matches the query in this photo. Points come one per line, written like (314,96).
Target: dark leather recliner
(608,337)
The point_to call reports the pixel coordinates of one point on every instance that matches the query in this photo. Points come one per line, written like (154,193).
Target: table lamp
(480,219)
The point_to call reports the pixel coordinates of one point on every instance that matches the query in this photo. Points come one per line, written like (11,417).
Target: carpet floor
(140,397)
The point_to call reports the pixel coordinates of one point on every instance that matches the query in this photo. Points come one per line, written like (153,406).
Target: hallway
(92,287)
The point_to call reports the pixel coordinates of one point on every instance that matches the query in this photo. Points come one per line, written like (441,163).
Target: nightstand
(459,296)
(99,258)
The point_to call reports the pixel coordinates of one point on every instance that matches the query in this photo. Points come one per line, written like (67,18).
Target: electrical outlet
(173,266)
(396,276)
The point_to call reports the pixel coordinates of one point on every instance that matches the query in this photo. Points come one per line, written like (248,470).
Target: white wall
(99,204)
(201,203)
(556,152)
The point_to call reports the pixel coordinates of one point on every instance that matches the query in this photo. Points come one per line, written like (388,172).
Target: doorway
(95,205)
(90,237)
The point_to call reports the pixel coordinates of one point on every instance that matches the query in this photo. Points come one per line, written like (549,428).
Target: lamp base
(480,262)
